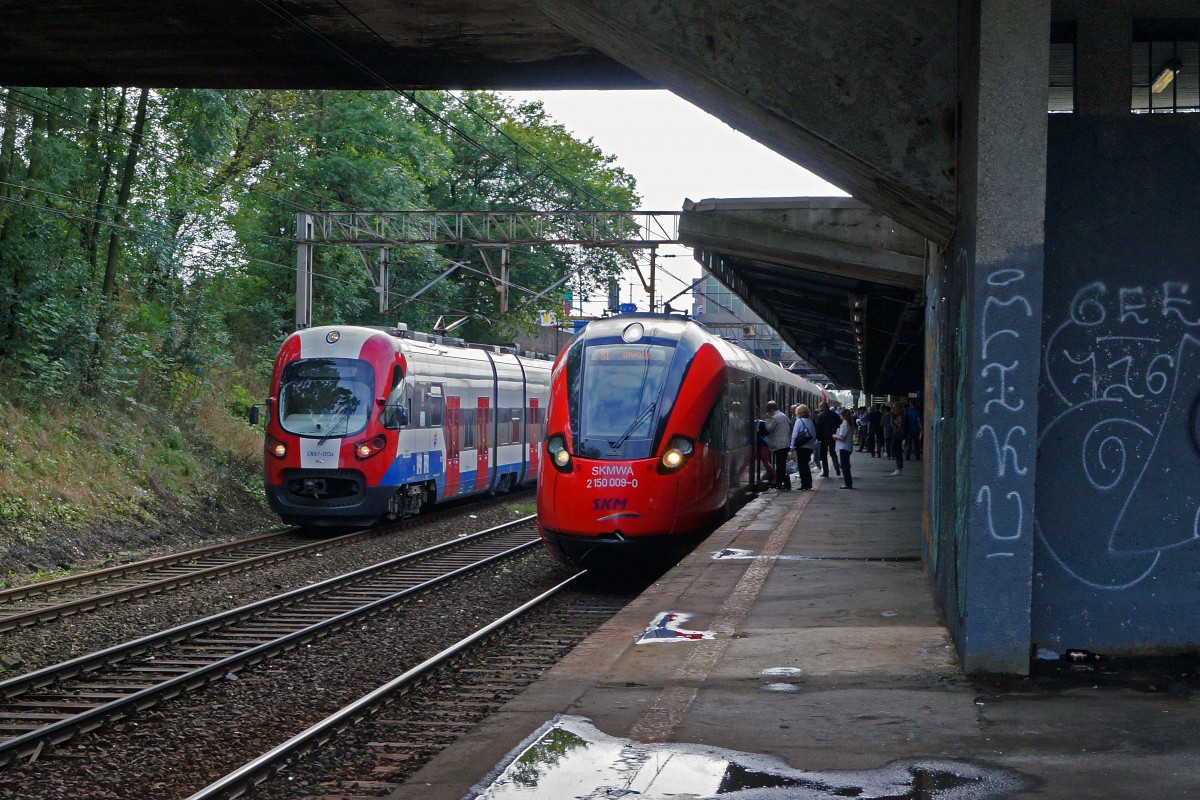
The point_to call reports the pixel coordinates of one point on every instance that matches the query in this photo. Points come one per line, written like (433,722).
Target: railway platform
(798,653)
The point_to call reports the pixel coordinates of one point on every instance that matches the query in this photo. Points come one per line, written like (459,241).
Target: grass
(90,461)
(522,508)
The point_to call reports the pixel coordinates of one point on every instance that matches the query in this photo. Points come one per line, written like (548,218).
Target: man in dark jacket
(827,423)
(874,431)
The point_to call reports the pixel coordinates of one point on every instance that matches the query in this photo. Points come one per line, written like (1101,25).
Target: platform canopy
(842,284)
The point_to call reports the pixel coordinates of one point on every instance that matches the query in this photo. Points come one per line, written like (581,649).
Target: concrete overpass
(1061,318)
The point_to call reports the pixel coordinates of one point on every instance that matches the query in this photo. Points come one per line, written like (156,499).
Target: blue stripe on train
(405,469)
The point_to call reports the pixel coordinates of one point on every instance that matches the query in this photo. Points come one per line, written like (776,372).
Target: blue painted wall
(1117,558)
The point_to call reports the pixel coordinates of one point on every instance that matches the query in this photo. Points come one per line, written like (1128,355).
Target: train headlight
(364,450)
(678,451)
(556,446)
(276,448)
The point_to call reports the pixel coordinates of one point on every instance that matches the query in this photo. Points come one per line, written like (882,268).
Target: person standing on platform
(874,430)
(912,432)
(764,452)
(779,434)
(897,451)
(804,436)
(845,446)
(886,414)
(827,423)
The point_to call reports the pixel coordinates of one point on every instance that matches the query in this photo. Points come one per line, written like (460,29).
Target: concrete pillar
(998,257)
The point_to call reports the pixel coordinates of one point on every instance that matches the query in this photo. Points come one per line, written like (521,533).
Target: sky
(675,151)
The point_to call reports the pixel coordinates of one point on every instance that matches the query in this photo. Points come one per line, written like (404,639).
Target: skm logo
(609,504)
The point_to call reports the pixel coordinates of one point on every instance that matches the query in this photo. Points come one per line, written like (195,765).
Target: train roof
(673,326)
(427,343)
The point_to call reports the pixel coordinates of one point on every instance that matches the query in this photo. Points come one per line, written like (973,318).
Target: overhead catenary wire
(213,252)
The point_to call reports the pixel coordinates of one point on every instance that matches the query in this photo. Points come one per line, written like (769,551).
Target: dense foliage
(147,236)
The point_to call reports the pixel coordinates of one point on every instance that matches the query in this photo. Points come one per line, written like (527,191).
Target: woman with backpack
(804,436)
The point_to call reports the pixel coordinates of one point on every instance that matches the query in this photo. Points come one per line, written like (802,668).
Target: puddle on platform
(570,758)
(788,671)
(665,627)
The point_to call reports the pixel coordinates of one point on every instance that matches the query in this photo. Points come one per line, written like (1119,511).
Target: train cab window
(395,413)
(621,386)
(326,397)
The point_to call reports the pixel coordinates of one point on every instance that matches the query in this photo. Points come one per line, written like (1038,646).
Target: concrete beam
(233,44)
(868,106)
(831,235)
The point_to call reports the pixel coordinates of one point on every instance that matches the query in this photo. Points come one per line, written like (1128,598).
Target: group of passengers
(893,429)
(807,437)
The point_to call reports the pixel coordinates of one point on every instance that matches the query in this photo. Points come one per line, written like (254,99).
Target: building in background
(724,314)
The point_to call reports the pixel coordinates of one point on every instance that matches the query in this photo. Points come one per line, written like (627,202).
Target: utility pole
(653,255)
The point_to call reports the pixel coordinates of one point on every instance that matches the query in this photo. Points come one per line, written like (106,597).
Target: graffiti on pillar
(1122,440)
(1002,442)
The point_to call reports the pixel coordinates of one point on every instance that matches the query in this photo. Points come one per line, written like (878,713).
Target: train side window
(508,425)
(714,432)
(469,420)
(437,406)
(395,413)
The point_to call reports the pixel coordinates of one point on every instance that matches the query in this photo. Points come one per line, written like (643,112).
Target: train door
(483,446)
(533,434)
(756,413)
(453,441)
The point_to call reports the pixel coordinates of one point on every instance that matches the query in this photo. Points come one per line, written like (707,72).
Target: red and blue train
(651,435)
(370,423)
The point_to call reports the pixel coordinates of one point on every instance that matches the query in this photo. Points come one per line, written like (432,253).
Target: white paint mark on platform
(666,628)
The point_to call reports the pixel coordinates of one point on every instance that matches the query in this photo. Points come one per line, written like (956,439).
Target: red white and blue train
(371,423)
(651,435)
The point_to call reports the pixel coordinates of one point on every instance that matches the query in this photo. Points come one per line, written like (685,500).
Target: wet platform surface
(813,663)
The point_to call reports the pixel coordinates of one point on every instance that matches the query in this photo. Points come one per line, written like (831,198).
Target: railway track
(402,724)
(55,704)
(47,601)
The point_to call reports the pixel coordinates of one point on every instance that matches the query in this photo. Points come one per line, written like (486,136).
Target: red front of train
(645,443)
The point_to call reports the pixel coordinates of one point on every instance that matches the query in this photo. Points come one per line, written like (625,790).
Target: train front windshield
(621,388)
(326,397)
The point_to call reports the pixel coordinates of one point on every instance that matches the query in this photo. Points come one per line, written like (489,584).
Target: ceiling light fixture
(1169,71)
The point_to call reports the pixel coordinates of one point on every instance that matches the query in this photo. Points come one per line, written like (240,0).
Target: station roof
(272,44)
(842,284)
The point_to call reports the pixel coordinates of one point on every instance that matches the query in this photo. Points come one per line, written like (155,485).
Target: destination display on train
(620,354)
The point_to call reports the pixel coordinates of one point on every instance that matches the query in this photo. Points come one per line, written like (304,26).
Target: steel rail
(255,772)
(18,593)
(198,572)
(221,665)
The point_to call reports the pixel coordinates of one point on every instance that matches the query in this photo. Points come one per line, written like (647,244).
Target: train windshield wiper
(343,420)
(647,411)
